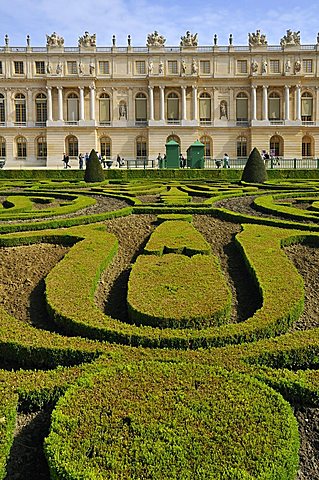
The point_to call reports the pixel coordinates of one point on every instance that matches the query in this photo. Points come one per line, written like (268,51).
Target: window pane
(73,110)
(204,109)
(141,109)
(173,108)
(242,109)
(306,107)
(274,108)
(105,110)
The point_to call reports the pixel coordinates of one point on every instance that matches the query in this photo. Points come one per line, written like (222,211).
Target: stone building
(132,100)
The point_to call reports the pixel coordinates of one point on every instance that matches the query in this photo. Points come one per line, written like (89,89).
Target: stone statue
(92,68)
(291,38)
(264,66)
(59,68)
(183,66)
(28,40)
(161,67)
(297,66)
(194,67)
(55,40)
(155,40)
(287,66)
(6,40)
(189,40)
(256,39)
(81,68)
(254,67)
(150,67)
(87,40)
(223,109)
(49,68)
(122,110)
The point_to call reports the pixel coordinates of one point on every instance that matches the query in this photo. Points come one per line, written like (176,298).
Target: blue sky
(70,18)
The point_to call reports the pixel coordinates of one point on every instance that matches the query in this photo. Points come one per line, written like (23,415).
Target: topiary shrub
(94,171)
(255,170)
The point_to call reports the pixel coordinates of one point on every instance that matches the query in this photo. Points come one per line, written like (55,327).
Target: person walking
(66,160)
(103,161)
(118,159)
(226,161)
(81,161)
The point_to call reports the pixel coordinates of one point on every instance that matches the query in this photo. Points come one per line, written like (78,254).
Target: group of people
(83,160)
(223,162)
(266,156)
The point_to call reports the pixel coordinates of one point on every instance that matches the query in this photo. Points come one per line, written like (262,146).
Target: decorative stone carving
(59,68)
(49,68)
(150,67)
(189,40)
(155,40)
(183,67)
(122,111)
(254,67)
(257,39)
(92,68)
(87,40)
(297,66)
(287,66)
(161,67)
(223,110)
(290,39)
(6,40)
(264,66)
(194,67)
(81,68)
(55,40)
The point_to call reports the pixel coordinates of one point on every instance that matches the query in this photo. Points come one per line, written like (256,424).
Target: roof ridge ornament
(87,40)
(257,39)
(155,40)
(290,39)
(55,40)
(189,40)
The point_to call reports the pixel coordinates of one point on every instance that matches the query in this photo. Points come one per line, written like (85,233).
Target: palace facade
(131,100)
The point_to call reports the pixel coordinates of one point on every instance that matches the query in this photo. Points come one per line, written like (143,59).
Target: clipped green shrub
(172,421)
(94,171)
(255,170)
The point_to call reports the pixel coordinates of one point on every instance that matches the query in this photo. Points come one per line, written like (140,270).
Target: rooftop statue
(155,40)
(291,38)
(189,40)
(256,39)
(87,40)
(55,40)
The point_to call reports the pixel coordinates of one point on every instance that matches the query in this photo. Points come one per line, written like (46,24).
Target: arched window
(41,109)
(105,147)
(205,115)
(307,146)
(241,147)
(276,146)
(105,109)
(242,107)
(2,109)
(72,146)
(274,106)
(2,147)
(207,141)
(140,108)
(172,108)
(20,108)
(41,147)
(21,147)
(175,138)
(73,108)
(141,148)
(306,107)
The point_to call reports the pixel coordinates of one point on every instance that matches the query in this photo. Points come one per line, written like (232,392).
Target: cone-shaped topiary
(255,170)
(94,171)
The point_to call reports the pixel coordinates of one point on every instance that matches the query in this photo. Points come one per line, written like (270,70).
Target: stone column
(49,104)
(60,104)
(195,109)
(30,110)
(253,102)
(265,102)
(9,110)
(151,108)
(183,102)
(298,103)
(287,109)
(162,103)
(92,102)
(81,105)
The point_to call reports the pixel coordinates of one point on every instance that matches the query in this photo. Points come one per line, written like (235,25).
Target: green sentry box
(172,154)
(195,155)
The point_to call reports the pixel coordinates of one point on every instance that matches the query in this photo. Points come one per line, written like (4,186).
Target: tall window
(40,68)
(73,107)
(72,146)
(172,107)
(205,108)
(41,108)
(307,65)
(140,107)
(21,147)
(2,109)
(72,68)
(274,106)
(307,146)
(242,66)
(1,69)
(274,66)
(204,67)
(105,147)
(172,66)
(141,148)
(41,147)
(306,107)
(104,67)
(2,147)
(241,147)
(20,108)
(207,141)
(105,110)
(276,146)
(18,68)
(242,107)
(140,67)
